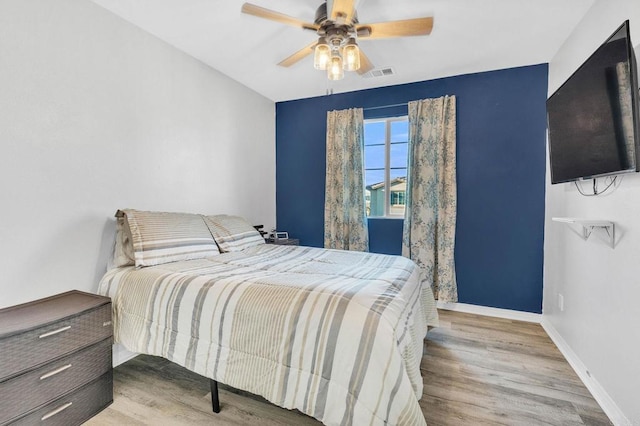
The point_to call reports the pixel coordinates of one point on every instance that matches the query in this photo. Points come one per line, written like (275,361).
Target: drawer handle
(56,411)
(51,333)
(54,372)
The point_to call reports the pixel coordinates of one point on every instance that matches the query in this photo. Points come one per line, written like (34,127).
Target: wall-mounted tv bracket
(589,225)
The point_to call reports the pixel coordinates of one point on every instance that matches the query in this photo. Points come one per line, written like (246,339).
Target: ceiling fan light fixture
(322,54)
(351,54)
(337,26)
(335,71)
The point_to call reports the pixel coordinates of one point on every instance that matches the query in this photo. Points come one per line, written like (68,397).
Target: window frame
(387,163)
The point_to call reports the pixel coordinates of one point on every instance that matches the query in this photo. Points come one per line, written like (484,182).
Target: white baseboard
(122,355)
(490,312)
(601,396)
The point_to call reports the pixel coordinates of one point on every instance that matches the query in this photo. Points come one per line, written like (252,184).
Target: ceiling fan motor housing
(321,15)
(335,34)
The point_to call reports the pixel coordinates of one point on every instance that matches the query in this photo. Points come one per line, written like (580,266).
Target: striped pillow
(160,237)
(233,233)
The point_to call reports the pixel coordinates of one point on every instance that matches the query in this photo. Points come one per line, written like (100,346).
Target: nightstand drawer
(74,408)
(24,351)
(30,390)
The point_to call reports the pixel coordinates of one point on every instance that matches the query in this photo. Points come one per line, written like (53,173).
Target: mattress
(335,334)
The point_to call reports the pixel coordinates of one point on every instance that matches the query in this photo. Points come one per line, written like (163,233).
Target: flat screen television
(593,121)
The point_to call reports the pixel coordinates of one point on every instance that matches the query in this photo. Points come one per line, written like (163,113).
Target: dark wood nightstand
(55,360)
(284,242)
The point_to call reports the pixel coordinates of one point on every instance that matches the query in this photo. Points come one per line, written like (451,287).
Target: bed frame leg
(215,402)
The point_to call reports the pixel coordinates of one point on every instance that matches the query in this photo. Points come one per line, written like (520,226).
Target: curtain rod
(386,106)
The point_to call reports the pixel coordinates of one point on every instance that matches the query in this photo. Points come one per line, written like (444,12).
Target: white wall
(600,285)
(96,115)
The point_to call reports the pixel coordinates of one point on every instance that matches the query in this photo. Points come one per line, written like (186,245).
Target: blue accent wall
(501,136)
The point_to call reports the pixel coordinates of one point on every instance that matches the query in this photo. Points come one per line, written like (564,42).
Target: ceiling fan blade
(261,12)
(404,28)
(341,11)
(299,55)
(365,64)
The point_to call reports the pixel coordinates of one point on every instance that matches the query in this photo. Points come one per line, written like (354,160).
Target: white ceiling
(468,36)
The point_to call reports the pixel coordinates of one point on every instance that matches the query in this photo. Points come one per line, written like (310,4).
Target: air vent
(379,72)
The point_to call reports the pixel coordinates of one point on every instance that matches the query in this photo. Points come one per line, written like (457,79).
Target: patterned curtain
(430,215)
(345,216)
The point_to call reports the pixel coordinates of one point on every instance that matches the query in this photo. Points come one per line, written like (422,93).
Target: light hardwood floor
(477,371)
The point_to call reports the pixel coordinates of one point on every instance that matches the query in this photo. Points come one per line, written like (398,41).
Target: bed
(337,335)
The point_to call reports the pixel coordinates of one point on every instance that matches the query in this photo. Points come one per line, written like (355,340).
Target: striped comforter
(336,334)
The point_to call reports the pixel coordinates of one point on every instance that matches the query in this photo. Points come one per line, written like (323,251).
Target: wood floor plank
(476,370)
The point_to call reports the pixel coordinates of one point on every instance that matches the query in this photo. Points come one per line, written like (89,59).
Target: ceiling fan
(338,29)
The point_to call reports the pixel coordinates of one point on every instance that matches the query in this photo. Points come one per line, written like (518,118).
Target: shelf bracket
(589,225)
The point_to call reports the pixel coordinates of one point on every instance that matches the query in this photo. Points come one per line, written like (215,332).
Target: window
(386,143)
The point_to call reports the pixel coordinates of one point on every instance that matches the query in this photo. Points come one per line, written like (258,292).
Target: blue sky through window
(374,150)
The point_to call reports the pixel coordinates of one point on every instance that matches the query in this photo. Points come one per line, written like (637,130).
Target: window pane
(399,154)
(398,173)
(375,201)
(374,157)
(374,195)
(372,177)
(399,131)
(397,209)
(398,183)
(374,132)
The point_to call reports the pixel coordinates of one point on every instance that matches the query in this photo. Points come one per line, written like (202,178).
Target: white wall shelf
(588,225)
